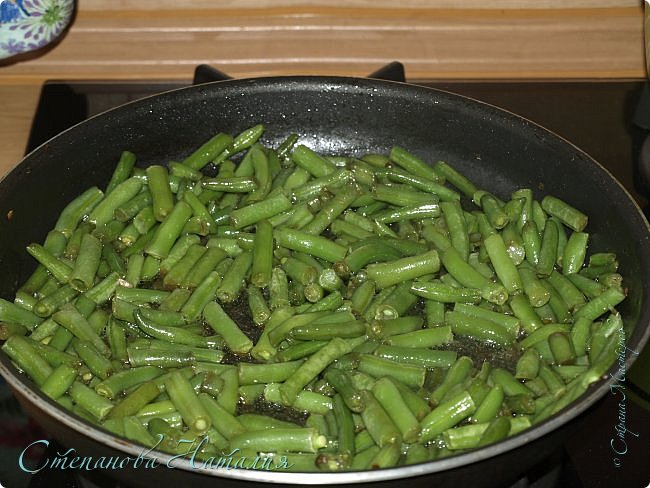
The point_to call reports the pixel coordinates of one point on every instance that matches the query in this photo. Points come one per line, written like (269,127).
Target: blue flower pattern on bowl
(27,25)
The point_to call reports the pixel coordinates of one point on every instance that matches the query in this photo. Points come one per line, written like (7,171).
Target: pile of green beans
(338,312)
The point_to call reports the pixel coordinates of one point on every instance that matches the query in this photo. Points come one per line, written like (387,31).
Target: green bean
(253,213)
(350,395)
(315,245)
(223,421)
(445,171)
(266,373)
(363,440)
(331,210)
(222,324)
(314,365)
(58,382)
(440,292)
(464,437)
(161,195)
(169,333)
(295,440)
(135,400)
(79,207)
(446,415)
(85,397)
(229,288)
(209,151)
(490,405)
(565,287)
(524,311)
(496,430)
(206,291)
(503,265)
(161,358)
(409,374)
(401,325)
(70,318)
(300,350)
(389,397)
(22,353)
(134,269)
(514,243)
(561,348)
(579,335)
(549,249)
(528,365)
(362,459)
(424,183)
(299,271)
(574,252)
(418,356)
(493,210)
(13,314)
(408,268)
(7,330)
(186,402)
(407,212)
(103,212)
(200,214)
(607,300)
(509,322)
(456,375)
(54,357)
(371,251)
(387,456)
(310,161)
(478,328)
(377,421)
(122,171)
(508,382)
(461,270)
(565,213)
(59,269)
(306,401)
(457,226)
(257,305)
(123,380)
(99,365)
(284,149)
(319,332)
(411,163)
(188,263)
(345,430)
(422,338)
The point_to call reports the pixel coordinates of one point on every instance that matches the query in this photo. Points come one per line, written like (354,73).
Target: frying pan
(499,151)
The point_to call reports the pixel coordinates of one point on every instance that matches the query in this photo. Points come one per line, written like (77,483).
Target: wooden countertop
(164,40)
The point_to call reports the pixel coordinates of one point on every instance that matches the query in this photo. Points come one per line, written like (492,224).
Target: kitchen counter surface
(440,39)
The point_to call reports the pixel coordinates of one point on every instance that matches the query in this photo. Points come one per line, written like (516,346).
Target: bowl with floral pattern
(29,25)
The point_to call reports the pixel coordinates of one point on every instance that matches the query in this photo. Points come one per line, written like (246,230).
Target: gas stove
(597,116)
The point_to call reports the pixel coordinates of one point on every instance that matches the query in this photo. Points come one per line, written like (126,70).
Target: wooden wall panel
(301,4)
(432,43)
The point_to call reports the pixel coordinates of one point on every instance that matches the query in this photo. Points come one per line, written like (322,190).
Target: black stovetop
(596,116)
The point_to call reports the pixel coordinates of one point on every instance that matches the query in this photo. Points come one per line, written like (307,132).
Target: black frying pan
(497,150)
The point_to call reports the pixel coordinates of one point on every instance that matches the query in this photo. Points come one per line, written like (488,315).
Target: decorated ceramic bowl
(28,25)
